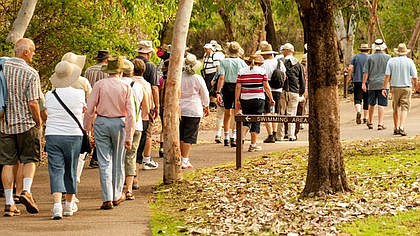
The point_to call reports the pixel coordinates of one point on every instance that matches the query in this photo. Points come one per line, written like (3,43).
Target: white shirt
(194,95)
(137,92)
(270,65)
(59,122)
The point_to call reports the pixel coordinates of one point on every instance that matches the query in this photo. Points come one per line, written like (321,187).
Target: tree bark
(345,37)
(172,164)
(414,37)
(270,29)
(373,16)
(226,22)
(22,21)
(326,172)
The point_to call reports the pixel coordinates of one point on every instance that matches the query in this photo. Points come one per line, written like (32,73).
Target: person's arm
(365,78)
(219,88)
(155,94)
(237,97)
(35,112)
(267,90)
(385,85)
(350,71)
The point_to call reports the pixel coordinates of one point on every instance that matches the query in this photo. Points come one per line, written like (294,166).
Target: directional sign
(272,118)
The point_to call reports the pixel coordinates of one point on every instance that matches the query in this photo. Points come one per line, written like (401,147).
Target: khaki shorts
(130,156)
(401,98)
(24,147)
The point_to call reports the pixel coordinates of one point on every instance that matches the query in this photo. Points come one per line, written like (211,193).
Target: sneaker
(358,118)
(27,200)
(11,210)
(151,165)
(107,205)
(57,213)
(217,139)
(68,211)
(226,142)
(270,139)
(232,142)
(396,131)
(254,148)
(186,165)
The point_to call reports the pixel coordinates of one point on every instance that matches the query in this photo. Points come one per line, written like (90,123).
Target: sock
(146,159)
(67,204)
(27,184)
(8,194)
(219,133)
(234,134)
(226,135)
(58,205)
(185,160)
(358,107)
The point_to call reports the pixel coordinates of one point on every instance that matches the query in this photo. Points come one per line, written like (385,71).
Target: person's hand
(219,98)
(272,102)
(384,92)
(155,113)
(206,111)
(237,106)
(364,87)
(127,145)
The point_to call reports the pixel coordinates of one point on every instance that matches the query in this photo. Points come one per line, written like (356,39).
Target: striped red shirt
(252,82)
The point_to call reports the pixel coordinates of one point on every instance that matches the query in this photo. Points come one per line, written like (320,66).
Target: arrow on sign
(247,118)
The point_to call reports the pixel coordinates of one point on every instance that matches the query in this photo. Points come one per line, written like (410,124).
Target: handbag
(86,147)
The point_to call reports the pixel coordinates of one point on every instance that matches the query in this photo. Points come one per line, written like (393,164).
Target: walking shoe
(396,131)
(119,200)
(68,211)
(403,132)
(358,118)
(57,213)
(151,165)
(11,210)
(232,142)
(93,164)
(186,165)
(364,120)
(27,200)
(217,139)
(270,139)
(107,205)
(226,142)
(254,148)
(129,196)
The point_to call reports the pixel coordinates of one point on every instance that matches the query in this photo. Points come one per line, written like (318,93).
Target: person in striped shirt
(251,84)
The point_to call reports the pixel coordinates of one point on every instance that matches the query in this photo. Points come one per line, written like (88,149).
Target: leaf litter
(263,197)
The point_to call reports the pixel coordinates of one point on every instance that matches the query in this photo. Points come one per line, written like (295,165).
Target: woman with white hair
(194,103)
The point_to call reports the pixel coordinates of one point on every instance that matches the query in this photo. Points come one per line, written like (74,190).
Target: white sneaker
(57,213)
(254,148)
(186,165)
(68,211)
(151,165)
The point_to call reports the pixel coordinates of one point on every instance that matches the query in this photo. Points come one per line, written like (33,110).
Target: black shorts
(24,147)
(188,129)
(360,96)
(276,98)
(252,107)
(228,92)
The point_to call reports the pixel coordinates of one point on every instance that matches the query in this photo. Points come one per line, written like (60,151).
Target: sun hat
(102,55)
(364,47)
(115,65)
(65,74)
(145,46)
(79,60)
(258,59)
(288,46)
(207,45)
(191,64)
(379,45)
(234,49)
(213,42)
(402,49)
(265,49)
(129,67)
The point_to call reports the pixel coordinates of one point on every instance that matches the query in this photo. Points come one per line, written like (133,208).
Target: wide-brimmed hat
(192,62)
(364,47)
(234,49)
(145,46)
(265,49)
(129,67)
(102,55)
(218,47)
(213,42)
(115,65)
(65,73)
(207,45)
(288,46)
(379,44)
(402,49)
(256,58)
(79,60)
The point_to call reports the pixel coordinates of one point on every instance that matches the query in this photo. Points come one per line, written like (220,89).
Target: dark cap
(102,55)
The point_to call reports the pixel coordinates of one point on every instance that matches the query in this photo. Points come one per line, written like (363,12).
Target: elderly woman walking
(63,136)
(194,103)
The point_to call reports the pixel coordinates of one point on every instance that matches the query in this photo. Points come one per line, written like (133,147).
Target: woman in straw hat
(194,103)
(63,136)
(251,84)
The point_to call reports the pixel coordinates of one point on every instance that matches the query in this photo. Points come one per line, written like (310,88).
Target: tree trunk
(227,23)
(22,21)
(326,172)
(172,164)
(345,37)
(373,16)
(414,37)
(270,29)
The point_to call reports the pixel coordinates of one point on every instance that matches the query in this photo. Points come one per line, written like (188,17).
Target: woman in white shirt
(194,103)
(63,136)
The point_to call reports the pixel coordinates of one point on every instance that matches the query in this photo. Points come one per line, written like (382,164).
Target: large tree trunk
(172,164)
(414,37)
(226,22)
(345,37)
(22,21)
(326,172)
(373,17)
(270,29)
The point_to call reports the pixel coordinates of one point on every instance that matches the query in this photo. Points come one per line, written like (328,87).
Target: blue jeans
(63,155)
(109,139)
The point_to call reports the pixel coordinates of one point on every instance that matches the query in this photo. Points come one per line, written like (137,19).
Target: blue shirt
(402,70)
(375,68)
(358,61)
(230,68)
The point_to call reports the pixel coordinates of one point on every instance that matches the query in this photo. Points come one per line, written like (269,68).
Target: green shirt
(230,67)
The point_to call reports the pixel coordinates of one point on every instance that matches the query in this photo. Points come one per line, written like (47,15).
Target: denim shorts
(24,147)
(63,155)
(375,96)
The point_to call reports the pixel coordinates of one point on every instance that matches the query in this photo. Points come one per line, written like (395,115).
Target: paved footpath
(133,217)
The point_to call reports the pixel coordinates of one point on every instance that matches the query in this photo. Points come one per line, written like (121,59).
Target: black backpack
(277,78)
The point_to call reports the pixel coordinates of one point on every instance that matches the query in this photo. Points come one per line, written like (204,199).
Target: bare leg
(403,118)
(371,110)
(395,119)
(185,149)
(380,115)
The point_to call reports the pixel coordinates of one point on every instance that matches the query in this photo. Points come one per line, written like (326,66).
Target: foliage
(264,195)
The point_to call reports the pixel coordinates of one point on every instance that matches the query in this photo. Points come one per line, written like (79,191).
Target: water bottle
(272,109)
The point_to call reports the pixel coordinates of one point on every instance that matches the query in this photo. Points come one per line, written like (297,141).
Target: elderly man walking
(20,128)
(401,72)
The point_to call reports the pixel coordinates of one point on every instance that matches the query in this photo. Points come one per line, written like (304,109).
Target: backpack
(3,88)
(277,78)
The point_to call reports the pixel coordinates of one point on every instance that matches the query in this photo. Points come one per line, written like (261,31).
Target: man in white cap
(373,76)
(402,73)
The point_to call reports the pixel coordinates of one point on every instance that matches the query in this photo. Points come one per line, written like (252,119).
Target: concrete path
(133,217)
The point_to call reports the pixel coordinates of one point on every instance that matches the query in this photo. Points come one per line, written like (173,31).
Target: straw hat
(75,59)
(234,49)
(364,47)
(129,67)
(257,59)
(115,65)
(145,46)
(402,49)
(379,45)
(265,49)
(65,74)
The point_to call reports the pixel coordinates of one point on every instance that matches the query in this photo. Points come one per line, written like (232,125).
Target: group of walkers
(375,76)
(118,101)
